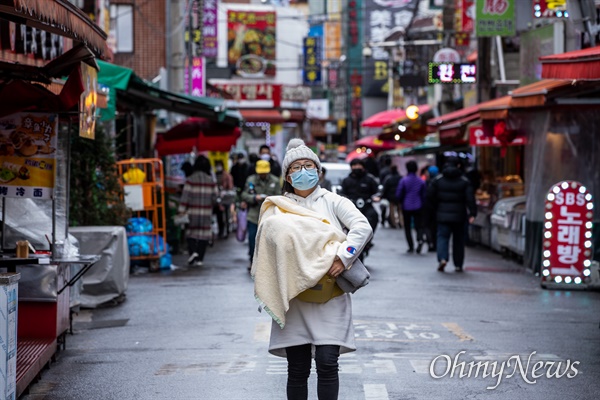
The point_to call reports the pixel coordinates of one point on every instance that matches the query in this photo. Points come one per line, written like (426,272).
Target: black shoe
(419,247)
(442,265)
(431,248)
(410,250)
(458,269)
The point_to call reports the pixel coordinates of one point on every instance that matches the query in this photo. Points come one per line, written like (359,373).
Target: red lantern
(504,135)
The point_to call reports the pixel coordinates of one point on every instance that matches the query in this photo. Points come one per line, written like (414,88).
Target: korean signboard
(27,155)
(380,17)
(495,17)
(251,42)
(567,241)
(261,94)
(447,72)
(550,9)
(464,15)
(477,137)
(197,71)
(209,29)
(333,40)
(313,57)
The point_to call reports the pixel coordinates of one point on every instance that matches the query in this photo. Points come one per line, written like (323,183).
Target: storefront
(41,43)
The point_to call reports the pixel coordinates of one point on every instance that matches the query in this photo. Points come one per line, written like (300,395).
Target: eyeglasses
(307,166)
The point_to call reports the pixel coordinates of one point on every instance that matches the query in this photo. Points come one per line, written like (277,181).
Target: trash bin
(501,222)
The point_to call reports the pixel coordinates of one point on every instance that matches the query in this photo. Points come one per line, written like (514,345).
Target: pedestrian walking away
(258,187)
(198,198)
(411,195)
(451,196)
(296,283)
(390,184)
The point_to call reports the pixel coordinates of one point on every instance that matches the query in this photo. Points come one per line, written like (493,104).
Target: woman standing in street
(199,195)
(303,242)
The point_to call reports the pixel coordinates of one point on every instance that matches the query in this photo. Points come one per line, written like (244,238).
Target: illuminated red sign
(567,246)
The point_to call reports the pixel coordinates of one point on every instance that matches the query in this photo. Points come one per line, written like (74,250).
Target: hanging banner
(464,15)
(209,29)
(27,155)
(88,102)
(567,248)
(380,17)
(495,18)
(312,61)
(333,40)
(251,42)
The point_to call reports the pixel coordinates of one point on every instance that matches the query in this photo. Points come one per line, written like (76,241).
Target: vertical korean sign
(380,17)
(251,43)
(198,82)
(567,246)
(495,18)
(27,155)
(209,29)
(312,60)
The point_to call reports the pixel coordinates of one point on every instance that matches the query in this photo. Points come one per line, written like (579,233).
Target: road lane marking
(375,392)
(458,331)
(420,366)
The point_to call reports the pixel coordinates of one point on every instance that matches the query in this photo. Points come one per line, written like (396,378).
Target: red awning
(469,112)
(383,118)
(374,143)
(198,133)
(579,64)
(271,116)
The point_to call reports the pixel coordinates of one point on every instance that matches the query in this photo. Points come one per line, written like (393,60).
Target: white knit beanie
(297,150)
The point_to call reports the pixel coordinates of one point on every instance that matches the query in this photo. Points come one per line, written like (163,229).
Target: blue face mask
(305,179)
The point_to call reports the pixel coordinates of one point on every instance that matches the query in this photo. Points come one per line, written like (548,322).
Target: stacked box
(9,290)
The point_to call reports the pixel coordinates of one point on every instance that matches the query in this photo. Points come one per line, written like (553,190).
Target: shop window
(121,27)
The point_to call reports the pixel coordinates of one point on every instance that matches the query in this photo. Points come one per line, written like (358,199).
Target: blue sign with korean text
(313,57)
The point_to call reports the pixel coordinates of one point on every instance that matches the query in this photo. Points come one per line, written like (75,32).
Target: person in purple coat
(411,194)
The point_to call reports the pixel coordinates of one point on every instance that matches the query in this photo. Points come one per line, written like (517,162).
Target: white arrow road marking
(375,392)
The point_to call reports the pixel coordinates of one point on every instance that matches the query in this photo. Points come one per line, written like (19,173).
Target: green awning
(133,92)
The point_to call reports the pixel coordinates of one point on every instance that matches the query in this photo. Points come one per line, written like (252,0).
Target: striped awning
(56,16)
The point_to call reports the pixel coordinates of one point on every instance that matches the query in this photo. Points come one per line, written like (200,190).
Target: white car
(336,173)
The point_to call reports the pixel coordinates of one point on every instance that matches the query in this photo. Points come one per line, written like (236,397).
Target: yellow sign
(28,144)
(88,102)
(333,40)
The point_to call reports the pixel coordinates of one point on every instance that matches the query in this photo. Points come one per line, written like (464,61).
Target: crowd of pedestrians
(432,204)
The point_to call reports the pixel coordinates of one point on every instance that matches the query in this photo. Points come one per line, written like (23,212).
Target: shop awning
(383,118)
(579,64)
(495,109)
(56,16)
(536,94)
(372,142)
(200,134)
(466,114)
(134,93)
(271,116)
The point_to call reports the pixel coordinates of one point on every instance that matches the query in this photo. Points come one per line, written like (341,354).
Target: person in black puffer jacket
(452,197)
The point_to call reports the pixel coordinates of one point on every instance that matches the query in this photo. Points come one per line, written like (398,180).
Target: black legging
(299,363)
(410,216)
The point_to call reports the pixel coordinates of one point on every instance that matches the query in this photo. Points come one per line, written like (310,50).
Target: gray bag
(354,278)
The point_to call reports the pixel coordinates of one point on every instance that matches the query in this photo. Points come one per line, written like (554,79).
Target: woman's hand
(336,268)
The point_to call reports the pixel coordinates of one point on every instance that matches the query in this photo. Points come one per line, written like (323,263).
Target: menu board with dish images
(251,43)
(27,155)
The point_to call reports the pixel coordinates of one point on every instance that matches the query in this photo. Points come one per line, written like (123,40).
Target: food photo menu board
(28,144)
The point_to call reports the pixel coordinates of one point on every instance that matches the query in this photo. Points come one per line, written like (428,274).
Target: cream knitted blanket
(295,247)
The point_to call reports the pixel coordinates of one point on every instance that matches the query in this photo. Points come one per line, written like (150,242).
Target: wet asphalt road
(196,334)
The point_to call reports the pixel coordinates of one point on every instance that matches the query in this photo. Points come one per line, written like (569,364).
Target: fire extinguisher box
(9,290)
